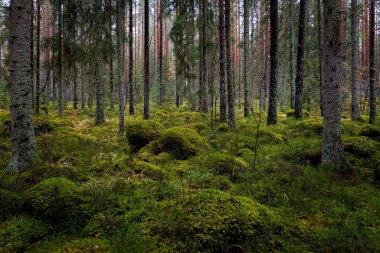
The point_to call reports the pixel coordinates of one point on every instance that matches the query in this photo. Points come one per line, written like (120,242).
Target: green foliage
(148,170)
(361,146)
(222,127)
(19,233)
(223,164)
(310,127)
(140,133)
(182,143)
(304,151)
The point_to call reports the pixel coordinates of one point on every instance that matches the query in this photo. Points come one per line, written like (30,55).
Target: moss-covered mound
(370,131)
(182,143)
(148,170)
(223,164)
(57,200)
(213,221)
(310,127)
(141,132)
(19,233)
(291,113)
(361,146)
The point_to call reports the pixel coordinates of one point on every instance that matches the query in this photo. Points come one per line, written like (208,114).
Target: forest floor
(192,188)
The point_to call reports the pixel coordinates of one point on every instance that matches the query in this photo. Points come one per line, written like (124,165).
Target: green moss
(84,245)
(361,146)
(182,143)
(10,202)
(58,200)
(140,133)
(310,127)
(370,131)
(268,132)
(19,233)
(212,222)
(291,113)
(199,127)
(223,164)
(148,170)
(362,118)
(223,127)
(304,151)
(245,152)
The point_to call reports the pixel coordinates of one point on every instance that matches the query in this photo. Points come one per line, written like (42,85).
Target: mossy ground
(91,191)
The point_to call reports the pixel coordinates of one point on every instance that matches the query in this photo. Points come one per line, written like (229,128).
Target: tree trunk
(110,44)
(300,61)
(146,60)
(31,23)
(120,78)
(99,71)
(59,60)
(222,64)
(37,108)
(355,111)
(332,149)
(205,99)
(372,70)
(320,54)
(246,60)
(130,77)
(291,55)
(160,51)
(272,110)
(76,100)
(230,83)
(22,130)
(83,80)
(47,54)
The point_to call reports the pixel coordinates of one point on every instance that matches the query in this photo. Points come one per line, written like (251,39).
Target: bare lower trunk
(355,111)
(332,149)
(146,60)
(130,77)
(372,70)
(120,79)
(291,56)
(272,110)
(76,100)
(230,83)
(99,92)
(59,60)
(246,60)
(22,130)
(222,63)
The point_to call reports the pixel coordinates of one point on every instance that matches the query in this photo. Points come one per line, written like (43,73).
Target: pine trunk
(146,60)
(246,59)
(22,130)
(230,83)
(372,70)
(119,47)
(222,64)
(355,111)
(130,73)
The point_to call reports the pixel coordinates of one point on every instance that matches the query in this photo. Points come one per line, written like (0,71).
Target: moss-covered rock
(57,200)
(199,127)
(140,133)
(361,146)
(19,233)
(370,131)
(223,164)
(182,143)
(213,221)
(223,127)
(291,113)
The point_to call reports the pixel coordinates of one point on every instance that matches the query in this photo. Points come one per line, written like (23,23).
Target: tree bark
(120,78)
(222,64)
(291,55)
(372,70)
(130,77)
(300,61)
(205,99)
(59,60)
(99,70)
(230,82)
(160,51)
(355,111)
(332,149)
(246,60)
(110,45)
(272,110)
(146,60)
(76,100)
(38,58)
(22,130)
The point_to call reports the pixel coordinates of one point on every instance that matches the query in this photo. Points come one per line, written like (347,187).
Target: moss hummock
(139,133)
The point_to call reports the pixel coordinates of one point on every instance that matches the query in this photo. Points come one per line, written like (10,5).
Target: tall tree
(300,61)
(120,79)
(222,63)
(272,110)
(38,57)
(130,73)
(59,59)
(204,86)
(355,111)
(291,53)
(160,51)
(320,53)
(230,82)
(372,66)
(332,149)
(22,130)
(99,67)
(246,59)
(110,45)
(31,23)
(146,60)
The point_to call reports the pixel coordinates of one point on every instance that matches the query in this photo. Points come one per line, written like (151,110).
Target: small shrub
(370,131)
(140,133)
(182,143)
(223,164)
(19,233)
